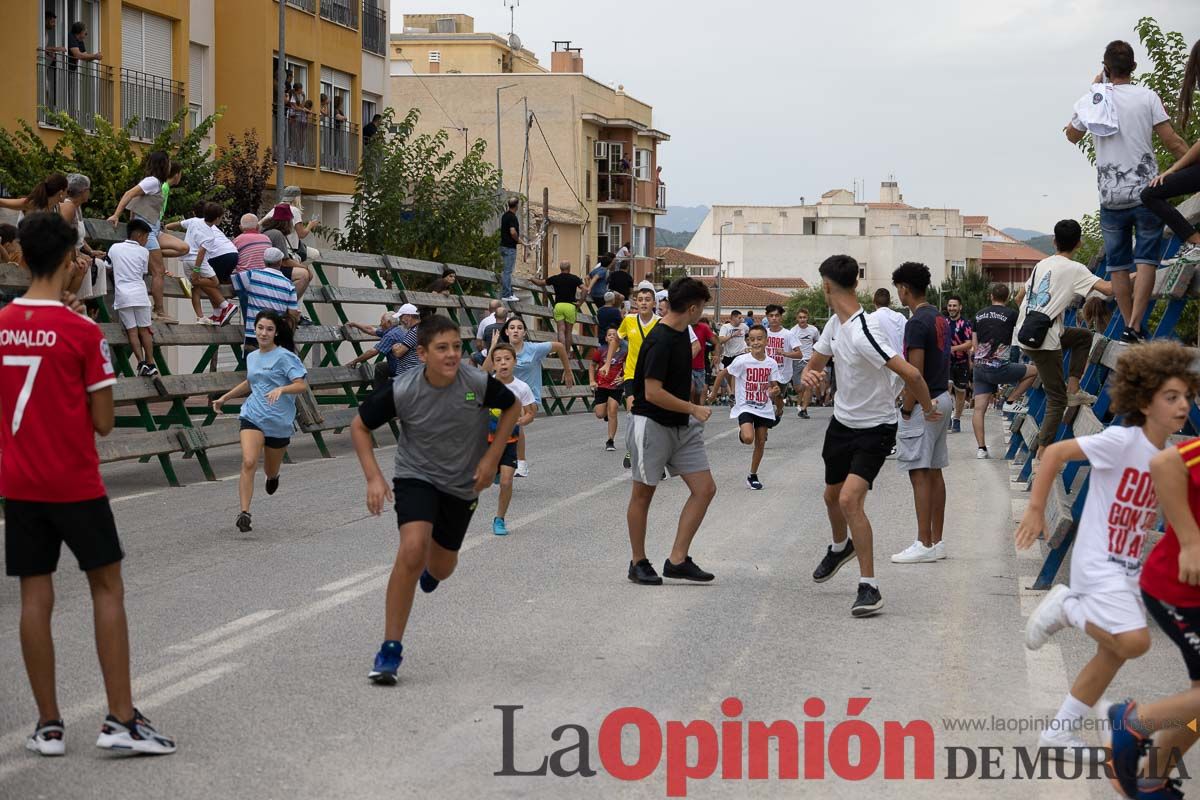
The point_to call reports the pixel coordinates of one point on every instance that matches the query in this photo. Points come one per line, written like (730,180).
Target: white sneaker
(915,553)
(982,453)
(939,550)
(1189,254)
(1060,745)
(1047,619)
(138,737)
(48,739)
(512,298)
(522,469)
(1080,398)
(1018,407)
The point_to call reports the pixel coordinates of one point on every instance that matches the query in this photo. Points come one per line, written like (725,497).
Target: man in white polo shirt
(863,429)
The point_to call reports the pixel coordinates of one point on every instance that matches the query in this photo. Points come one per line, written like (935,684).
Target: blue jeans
(508,255)
(1120,249)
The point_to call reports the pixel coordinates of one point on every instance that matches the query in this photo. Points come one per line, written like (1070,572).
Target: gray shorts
(921,444)
(698,380)
(653,447)
(134,317)
(988,380)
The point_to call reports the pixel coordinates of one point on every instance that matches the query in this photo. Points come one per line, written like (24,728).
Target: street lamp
(499,161)
(720,268)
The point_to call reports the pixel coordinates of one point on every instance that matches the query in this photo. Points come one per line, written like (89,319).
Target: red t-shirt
(1160,574)
(704,334)
(616,373)
(50,360)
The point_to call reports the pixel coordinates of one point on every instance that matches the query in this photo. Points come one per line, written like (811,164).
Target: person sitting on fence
(480,339)
(88,281)
(220,256)
(46,196)
(266,289)
(298,239)
(251,243)
(278,228)
(490,334)
(200,274)
(131,262)
(1051,289)
(383,370)
(440,286)
(10,248)
(1153,389)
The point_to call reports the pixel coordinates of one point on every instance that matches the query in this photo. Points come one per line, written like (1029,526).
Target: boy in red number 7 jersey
(1153,389)
(55,392)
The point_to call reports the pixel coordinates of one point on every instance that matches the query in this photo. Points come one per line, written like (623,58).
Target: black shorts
(1181,624)
(224,266)
(418,501)
(756,420)
(960,375)
(604,395)
(286,271)
(273,442)
(727,360)
(627,389)
(856,451)
(509,457)
(35,532)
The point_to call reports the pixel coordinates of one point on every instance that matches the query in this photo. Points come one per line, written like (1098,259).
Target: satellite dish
(514,41)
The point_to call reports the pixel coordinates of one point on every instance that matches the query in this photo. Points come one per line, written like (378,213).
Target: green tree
(243,178)
(416,198)
(973,288)
(818,307)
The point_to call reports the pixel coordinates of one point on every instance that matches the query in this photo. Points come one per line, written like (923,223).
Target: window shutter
(131,39)
(158,46)
(196,74)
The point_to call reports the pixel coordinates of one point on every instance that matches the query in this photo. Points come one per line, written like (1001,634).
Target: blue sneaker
(956,426)
(387,661)
(498,526)
(1168,791)
(428,582)
(1125,748)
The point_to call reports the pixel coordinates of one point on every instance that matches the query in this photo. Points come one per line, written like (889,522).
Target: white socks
(1074,613)
(838,547)
(1070,715)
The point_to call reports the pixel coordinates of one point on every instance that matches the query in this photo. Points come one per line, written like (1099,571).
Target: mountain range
(682,218)
(1023,234)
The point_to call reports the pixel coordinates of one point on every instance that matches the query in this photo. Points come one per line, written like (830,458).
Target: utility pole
(546,222)
(528,125)
(280,109)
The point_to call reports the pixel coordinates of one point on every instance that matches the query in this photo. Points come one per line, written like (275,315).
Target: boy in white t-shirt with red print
(757,378)
(1153,390)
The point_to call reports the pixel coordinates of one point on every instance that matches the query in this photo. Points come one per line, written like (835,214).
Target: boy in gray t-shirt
(443,462)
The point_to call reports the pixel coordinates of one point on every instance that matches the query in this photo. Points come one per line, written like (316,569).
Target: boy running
(55,394)
(806,335)
(504,359)
(784,347)
(606,375)
(1153,388)
(443,462)
(131,263)
(662,437)
(757,377)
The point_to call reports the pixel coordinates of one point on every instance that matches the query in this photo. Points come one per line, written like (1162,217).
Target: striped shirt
(250,247)
(264,290)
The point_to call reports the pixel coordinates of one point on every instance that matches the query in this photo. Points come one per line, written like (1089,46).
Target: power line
(538,122)
(439,104)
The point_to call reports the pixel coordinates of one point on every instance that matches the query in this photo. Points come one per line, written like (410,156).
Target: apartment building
(792,241)
(592,145)
(162,56)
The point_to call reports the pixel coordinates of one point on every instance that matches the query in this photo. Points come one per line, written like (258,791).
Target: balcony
(374,28)
(304,5)
(341,12)
(82,90)
(151,100)
(614,187)
(339,146)
(662,197)
(300,145)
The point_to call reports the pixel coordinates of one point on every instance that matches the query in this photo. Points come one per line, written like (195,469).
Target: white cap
(272,255)
(646,285)
(409,308)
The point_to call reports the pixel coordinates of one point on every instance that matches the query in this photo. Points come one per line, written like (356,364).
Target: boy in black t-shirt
(662,437)
(992,345)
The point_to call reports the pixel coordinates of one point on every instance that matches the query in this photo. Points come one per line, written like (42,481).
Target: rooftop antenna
(512,5)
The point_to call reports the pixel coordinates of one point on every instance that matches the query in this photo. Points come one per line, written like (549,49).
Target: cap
(645,285)
(291,191)
(409,308)
(282,211)
(272,255)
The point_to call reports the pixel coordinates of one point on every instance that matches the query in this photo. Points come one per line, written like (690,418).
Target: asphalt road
(252,649)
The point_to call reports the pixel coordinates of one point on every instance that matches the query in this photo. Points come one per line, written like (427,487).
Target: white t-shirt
(521,391)
(866,396)
(779,342)
(807,337)
(490,319)
(752,385)
(1052,286)
(191,227)
(213,240)
(737,339)
(131,263)
(1121,507)
(1125,161)
(150,185)
(892,323)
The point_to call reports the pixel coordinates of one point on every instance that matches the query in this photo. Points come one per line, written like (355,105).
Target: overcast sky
(768,101)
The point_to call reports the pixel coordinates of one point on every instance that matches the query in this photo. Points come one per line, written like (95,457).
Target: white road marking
(180,688)
(337,586)
(123,498)
(221,632)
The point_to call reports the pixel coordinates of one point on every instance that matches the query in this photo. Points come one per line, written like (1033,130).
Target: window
(766,227)
(336,86)
(370,106)
(862,272)
(641,163)
(587,186)
(616,152)
(639,241)
(435,56)
(148,92)
(958,270)
(68,11)
(554,248)
(146,43)
(198,58)
(751,227)
(810,227)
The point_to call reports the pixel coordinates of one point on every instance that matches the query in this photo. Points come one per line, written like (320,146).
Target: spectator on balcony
(339,118)
(299,98)
(77,46)
(46,196)
(325,112)
(89,280)
(278,228)
(52,49)
(371,128)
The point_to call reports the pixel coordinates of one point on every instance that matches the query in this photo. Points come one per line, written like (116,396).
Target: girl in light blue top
(274,376)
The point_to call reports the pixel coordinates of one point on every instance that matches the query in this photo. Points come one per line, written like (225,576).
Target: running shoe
(1131,336)
(687,571)
(512,298)
(1047,619)
(272,485)
(243,522)
(151,370)
(135,736)
(891,453)
(832,562)
(1080,398)
(626,463)
(48,739)
(752,481)
(226,313)
(956,425)
(915,553)
(1169,790)
(143,369)
(643,572)
(1061,745)
(387,661)
(498,526)
(868,601)
(982,453)
(610,447)
(939,551)
(803,414)
(428,582)
(522,469)
(1018,407)
(1188,254)
(1124,745)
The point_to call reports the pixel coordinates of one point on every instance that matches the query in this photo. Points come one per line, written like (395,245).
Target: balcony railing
(300,132)
(374,28)
(82,90)
(343,12)
(151,100)
(304,5)
(662,196)
(339,146)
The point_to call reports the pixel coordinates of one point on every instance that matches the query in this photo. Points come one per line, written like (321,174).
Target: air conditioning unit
(602,226)
(601,149)
(447,25)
